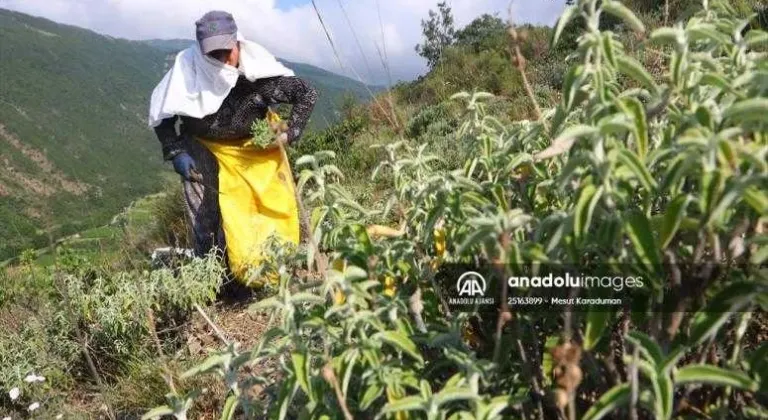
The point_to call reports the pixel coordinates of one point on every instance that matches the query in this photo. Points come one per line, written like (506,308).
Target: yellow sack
(257,199)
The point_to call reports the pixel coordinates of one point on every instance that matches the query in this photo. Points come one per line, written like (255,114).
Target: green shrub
(349,140)
(112,305)
(337,137)
(435,120)
(76,304)
(35,344)
(168,225)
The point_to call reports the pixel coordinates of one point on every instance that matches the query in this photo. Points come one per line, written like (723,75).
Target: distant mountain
(74,143)
(168,46)
(332,87)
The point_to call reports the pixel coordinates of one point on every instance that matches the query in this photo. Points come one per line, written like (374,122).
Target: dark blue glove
(183,164)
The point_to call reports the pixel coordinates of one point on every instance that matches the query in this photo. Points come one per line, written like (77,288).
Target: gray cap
(216,30)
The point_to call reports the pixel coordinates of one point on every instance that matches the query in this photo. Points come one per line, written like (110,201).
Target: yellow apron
(257,199)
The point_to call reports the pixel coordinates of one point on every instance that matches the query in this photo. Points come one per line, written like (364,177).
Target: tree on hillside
(439,32)
(487,32)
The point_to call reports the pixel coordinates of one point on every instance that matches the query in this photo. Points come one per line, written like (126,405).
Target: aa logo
(471,284)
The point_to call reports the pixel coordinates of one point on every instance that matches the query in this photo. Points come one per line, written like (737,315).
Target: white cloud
(295,33)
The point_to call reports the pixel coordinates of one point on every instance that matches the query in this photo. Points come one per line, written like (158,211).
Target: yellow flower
(392,396)
(339,297)
(389,286)
(440,246)
(524,171)
(439,234)
(273,278)
(379,231)
(272,116)
(470,337)
(339,264)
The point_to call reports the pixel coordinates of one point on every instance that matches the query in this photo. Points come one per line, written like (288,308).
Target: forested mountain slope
(74,143)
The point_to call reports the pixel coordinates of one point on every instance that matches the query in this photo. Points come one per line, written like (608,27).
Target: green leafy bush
(435,120)
(112,306)
(341,139)
(486,32)
(77,306)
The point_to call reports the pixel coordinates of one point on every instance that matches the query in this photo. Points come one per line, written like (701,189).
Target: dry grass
(144,387)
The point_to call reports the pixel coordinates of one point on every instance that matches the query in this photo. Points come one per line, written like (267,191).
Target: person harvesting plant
(220,89)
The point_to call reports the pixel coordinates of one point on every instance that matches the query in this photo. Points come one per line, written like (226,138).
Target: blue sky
(288,4)
(290,28)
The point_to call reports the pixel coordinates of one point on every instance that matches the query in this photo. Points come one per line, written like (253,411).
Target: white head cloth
(196,85)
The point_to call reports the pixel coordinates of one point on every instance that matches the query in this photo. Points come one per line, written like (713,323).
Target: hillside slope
(73,137)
